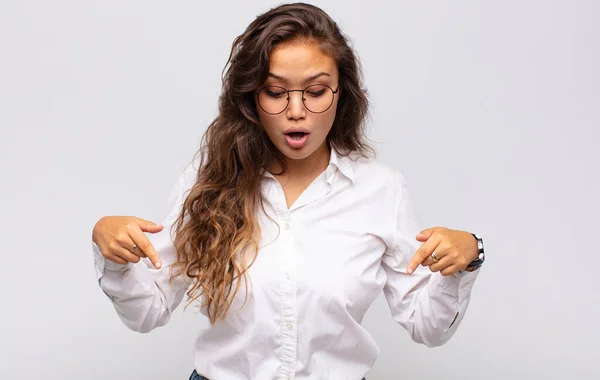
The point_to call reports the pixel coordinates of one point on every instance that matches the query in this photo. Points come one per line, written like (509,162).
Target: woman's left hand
(453,249)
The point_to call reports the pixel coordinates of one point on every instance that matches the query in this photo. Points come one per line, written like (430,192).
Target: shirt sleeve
(141,294)
(427,304)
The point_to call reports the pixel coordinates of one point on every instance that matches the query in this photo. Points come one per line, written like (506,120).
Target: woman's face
(298,132)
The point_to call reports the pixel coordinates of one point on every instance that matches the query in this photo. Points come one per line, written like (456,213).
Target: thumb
(148,226)
(425,234)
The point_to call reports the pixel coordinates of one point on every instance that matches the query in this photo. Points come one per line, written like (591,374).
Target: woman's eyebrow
(272,75)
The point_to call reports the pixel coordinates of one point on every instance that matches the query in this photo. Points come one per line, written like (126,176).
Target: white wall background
(489,108)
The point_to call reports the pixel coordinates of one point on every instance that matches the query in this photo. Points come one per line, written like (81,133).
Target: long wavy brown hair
(218,220)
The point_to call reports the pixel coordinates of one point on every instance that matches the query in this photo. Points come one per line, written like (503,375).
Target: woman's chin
(302,152)
(296,154)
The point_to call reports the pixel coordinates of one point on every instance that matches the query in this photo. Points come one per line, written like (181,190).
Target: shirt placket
(288,298)
(286,264)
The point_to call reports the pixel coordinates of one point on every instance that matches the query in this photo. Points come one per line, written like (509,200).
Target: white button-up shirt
(321,264)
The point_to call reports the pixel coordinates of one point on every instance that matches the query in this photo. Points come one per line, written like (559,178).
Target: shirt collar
(342,163)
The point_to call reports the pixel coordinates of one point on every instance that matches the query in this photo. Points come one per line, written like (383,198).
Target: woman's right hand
(117,235)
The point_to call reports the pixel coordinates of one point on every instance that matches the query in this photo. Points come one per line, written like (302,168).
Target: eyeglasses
(317,98)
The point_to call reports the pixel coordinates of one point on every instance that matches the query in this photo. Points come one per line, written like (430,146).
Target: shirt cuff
(102,265)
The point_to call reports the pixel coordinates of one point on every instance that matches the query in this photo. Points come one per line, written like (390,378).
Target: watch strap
(481,253)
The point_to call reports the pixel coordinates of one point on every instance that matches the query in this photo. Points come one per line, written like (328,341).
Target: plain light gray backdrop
(490,109)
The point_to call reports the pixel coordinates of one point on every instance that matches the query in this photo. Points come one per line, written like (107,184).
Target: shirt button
(287,377)
(289,326)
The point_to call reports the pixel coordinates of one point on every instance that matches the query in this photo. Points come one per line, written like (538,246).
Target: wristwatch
(481,257)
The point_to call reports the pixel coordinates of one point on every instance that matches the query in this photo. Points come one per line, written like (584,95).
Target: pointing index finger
(143,244)
(422,254)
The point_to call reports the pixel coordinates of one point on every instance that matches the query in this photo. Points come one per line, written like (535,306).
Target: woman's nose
(296,109)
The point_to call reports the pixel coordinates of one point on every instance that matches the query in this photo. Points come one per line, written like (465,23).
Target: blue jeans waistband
(196,376)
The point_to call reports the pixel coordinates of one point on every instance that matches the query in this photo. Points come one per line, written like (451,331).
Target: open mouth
(296,135)
(296,138)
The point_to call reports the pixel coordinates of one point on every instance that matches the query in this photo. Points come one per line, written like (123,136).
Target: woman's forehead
(293,62)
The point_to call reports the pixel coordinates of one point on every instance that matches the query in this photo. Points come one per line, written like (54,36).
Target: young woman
(285,229)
